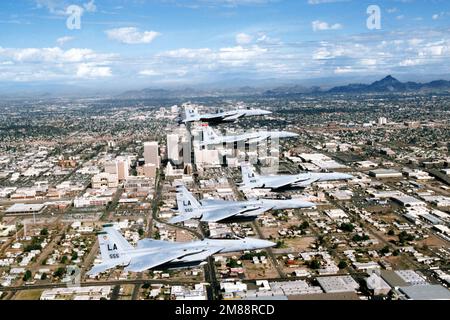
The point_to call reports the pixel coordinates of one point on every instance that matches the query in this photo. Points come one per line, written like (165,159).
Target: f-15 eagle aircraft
(251,180)
(210,137)
(226,116)
(218,210)
(117,251)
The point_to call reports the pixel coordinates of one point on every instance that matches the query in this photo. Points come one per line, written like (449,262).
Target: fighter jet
(117,251)
(210,137)
(219,210)
(226,116)
(251,180)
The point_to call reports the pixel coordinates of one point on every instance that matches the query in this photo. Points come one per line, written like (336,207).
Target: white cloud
(392,10)
(344,70)
(149,73)
(314,2)
(232,56)
(131,35)
(318,25)
(89,70)
(243,38)
(409,62)
(440,15)
(54,55)
(368,62)
(42,64)
(63,40)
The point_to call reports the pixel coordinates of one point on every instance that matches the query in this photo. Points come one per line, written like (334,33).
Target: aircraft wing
(220,214)
(151,243)
(99,268)
(234,117)
(305,183)
(149,261)
(182,217)
(213,202)
(217,117)
(224,213)
(283,181)
(261,137)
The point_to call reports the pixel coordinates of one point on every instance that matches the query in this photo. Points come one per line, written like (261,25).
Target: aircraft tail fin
(209,135)
(114,250)
(191,114)
(186,202)
(113,246)
(250,179)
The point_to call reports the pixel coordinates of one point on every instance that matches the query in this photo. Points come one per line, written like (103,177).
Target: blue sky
(138,43)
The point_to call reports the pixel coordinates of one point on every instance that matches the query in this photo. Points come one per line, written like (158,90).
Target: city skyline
(137,44)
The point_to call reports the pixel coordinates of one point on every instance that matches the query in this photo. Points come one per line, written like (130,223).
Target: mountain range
(387,85)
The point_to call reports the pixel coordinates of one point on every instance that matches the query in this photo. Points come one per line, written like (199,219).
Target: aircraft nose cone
(307,204)
(265,243)
(347,176)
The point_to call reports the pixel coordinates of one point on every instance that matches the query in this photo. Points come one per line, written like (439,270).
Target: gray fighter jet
(210,137)
(251,180)
(219,210)
(117,251)
(227,116)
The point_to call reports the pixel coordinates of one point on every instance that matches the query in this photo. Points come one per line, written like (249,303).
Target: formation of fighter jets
(219,210)
(149,253)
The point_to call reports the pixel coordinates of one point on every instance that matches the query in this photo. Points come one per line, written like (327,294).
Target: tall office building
(382,121)
(151,153)
(149,170)
(123,166)
(173,148)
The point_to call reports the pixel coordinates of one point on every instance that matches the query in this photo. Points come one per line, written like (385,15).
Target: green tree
(44,276)
(64,259)
(358,237)
(59,273)
(280,244)
(74,256)
(314,264)
(342,264)
(304,225)
(347,227)
(385,250)
(232,263)
(27,276)
(44,232)
(391,232)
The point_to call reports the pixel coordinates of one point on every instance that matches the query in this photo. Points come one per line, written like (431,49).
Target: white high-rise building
(173,148)
(382,121)
(123,166)
(151,153)
(149,170)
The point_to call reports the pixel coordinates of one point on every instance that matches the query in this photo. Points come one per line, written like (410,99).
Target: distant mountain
(291,90)
(187,93)
(390,84)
